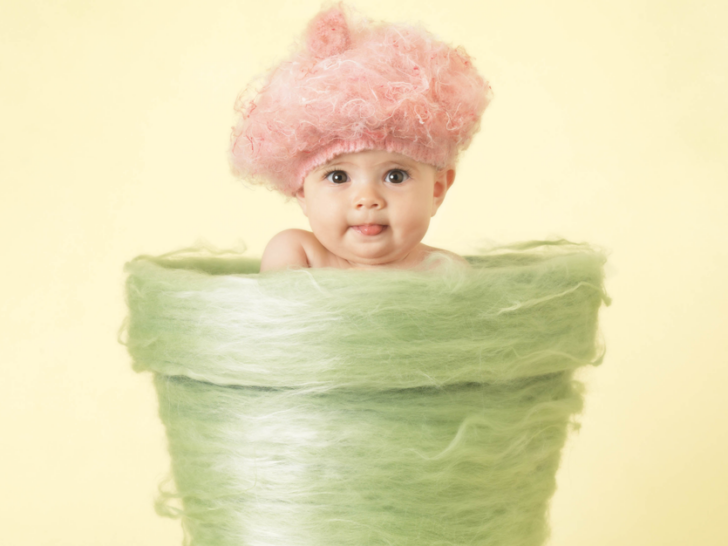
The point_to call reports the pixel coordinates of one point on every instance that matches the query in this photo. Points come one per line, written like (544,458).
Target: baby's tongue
(370,229)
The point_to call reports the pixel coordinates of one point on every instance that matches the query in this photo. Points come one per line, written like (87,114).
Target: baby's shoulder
(435,257)
(290,236)
(286,249)
(295,248)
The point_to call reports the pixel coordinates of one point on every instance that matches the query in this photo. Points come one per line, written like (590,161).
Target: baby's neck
(412,260)
(422,257)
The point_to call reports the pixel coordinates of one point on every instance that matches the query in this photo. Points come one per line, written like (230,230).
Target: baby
(363,125)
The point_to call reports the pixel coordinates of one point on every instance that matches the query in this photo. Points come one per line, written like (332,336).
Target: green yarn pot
(321,407)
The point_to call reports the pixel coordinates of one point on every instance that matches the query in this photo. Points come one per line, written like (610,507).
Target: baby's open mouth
(369,229)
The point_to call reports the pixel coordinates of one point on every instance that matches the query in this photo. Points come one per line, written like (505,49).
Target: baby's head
(372,207)
(367,94)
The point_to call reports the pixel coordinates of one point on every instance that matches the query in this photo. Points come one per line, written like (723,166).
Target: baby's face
(372,207)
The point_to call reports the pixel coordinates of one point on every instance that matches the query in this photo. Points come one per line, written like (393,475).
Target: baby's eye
(397,176)
(338,177)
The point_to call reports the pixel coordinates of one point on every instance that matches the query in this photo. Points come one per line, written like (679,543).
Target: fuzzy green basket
(320,407)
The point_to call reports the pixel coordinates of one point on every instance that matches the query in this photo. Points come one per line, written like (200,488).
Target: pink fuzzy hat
(356,86)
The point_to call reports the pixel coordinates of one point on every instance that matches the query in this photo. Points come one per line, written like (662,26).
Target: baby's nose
(368,198)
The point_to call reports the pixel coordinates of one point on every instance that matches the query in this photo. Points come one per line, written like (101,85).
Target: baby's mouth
(369,229)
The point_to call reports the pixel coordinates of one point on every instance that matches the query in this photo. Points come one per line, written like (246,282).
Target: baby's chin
(375,257)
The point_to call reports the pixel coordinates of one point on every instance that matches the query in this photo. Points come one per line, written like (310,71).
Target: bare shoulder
(285,250)
(295,248)
(438,256)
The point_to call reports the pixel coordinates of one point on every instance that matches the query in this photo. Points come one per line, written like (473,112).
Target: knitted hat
(355,85)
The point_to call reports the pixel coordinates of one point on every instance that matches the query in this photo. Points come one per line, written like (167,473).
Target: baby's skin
(367,210)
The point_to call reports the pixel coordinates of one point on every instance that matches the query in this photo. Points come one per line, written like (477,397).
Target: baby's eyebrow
(400,164)
(330,165)
(390,163)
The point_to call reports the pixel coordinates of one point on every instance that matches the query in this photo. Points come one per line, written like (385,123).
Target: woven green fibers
(324,407)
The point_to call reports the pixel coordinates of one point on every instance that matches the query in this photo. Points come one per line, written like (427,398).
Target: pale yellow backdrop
(609,125)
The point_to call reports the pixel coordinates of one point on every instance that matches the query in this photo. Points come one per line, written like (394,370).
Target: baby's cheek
(330,231)
(414,228)
(324,218)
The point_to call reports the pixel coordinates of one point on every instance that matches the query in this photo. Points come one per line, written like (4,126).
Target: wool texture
(352,84)
(314,407)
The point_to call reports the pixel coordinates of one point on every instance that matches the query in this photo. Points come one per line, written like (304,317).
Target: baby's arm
(285,250)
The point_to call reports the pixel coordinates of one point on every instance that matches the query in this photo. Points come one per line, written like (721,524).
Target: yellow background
(609,125)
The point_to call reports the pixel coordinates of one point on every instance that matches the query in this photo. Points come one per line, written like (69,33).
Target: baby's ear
(444,178)
(300,197)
